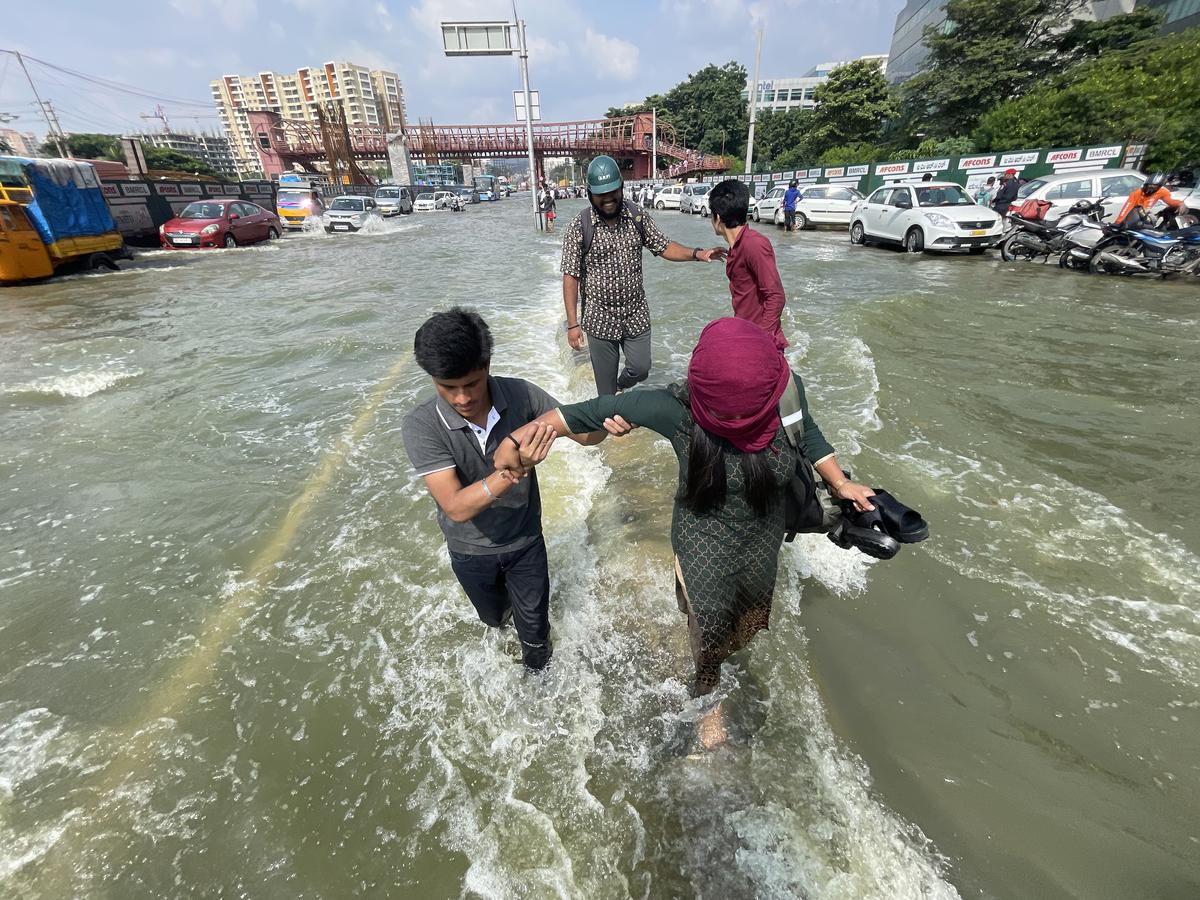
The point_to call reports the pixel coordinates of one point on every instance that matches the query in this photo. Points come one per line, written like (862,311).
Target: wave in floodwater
(74,385)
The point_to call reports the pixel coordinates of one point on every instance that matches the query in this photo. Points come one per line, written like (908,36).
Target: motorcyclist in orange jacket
(1147,195)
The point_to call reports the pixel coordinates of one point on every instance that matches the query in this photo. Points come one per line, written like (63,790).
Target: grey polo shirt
(437,438)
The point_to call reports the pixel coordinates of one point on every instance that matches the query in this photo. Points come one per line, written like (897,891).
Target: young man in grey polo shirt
(491,517)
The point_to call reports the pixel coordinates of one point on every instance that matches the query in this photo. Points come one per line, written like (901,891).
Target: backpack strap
(791,414)
(588,227)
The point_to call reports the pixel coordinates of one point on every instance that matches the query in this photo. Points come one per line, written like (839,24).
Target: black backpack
(810,507)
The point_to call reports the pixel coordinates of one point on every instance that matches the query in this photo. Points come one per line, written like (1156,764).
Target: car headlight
(162,229)
(210,229)
(939,220)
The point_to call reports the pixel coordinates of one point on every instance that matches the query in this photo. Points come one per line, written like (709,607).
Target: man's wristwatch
(696,252)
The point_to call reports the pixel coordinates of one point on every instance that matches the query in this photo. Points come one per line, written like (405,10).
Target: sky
(584,57)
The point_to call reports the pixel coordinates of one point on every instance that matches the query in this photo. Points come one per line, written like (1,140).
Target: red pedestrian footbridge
(284,143)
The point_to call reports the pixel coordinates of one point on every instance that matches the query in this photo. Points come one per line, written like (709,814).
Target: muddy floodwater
(234,661)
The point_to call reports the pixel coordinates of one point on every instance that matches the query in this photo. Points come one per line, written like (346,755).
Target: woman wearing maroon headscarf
(735,463)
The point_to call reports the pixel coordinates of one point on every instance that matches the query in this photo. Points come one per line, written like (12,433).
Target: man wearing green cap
(602,262)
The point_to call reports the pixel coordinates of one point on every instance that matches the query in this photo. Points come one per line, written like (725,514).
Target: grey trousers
(606,360)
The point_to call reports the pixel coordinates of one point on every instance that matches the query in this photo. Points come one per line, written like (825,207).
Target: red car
(219,223)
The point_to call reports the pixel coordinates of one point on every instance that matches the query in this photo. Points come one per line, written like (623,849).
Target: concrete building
(212,149)
(908,51)
(791,93)
(367,98)
(23,143)
(1179,14)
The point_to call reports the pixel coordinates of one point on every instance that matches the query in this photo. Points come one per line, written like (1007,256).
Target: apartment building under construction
(367,98)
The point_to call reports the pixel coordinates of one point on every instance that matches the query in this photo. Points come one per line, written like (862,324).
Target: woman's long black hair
(705,490)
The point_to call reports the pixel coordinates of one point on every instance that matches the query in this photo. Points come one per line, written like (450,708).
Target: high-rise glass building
(1179,14)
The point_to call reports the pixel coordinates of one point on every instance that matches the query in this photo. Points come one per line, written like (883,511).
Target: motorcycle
(1135,249)
(1030,238)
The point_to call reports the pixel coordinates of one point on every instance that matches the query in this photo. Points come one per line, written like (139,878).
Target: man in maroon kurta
(754,282)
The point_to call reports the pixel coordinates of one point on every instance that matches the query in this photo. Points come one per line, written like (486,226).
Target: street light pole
(537,213)
(753,106)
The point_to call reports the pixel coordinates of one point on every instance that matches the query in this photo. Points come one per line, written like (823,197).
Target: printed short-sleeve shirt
(610,276)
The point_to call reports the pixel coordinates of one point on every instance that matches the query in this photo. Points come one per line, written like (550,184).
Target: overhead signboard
(477,38)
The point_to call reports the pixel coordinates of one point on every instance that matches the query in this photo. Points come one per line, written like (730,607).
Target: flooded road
(236,662)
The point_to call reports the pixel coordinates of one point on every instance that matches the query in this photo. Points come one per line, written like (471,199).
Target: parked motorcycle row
(1161,244)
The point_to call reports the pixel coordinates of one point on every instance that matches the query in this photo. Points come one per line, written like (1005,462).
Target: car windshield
(387,195)
(464,192)
(1032,186)
(701,191)
(946,195)
(350,203)
(203,211)
(424,196)
(292,198)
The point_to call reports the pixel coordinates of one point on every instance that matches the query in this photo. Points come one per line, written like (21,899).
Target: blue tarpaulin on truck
(67,200)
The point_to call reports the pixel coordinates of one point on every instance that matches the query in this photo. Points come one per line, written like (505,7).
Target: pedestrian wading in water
(735,464)
(606,274)
(491,515)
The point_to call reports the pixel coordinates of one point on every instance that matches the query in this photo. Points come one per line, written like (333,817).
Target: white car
(765,208)
(668,197)
(693,197)
(823,204)
(443,199)
(349,213)
(932,215)
(424,203)
(1108,187)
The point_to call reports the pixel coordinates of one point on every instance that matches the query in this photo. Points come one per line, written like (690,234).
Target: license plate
(183,240)
(341,227)
(979,232)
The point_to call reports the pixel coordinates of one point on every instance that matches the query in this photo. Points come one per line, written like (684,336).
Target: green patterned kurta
(728,557)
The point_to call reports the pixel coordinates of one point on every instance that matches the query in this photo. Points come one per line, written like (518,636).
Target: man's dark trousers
(518,581)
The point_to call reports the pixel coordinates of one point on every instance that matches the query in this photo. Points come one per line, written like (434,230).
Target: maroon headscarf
(735,380)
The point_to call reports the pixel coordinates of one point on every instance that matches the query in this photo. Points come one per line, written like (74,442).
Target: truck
(53,219)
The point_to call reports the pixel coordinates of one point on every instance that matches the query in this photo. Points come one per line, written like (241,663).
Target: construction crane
(159,113)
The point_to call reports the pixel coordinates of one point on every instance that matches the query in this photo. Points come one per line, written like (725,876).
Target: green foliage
(167,160)
(707,110)
(957,146)
(1136,94)
(992,51)
(1086,39)
(852,106)
(848,154)
(88,146)
(780,137)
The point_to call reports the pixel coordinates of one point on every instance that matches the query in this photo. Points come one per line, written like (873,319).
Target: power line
(112,85)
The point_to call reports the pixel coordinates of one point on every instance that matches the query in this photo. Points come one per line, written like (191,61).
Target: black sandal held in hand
(865,531)
(904,524)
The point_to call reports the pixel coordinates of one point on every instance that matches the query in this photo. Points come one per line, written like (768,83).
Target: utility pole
(524,53)
(753,106)
(654,144)
(56,135)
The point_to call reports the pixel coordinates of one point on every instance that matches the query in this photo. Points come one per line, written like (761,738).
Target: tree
(1086,39)
(781,137)
(168,160)
(1133,94)
(5,147)
(88,146)
(707,110)
(854,104)
(986,52)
